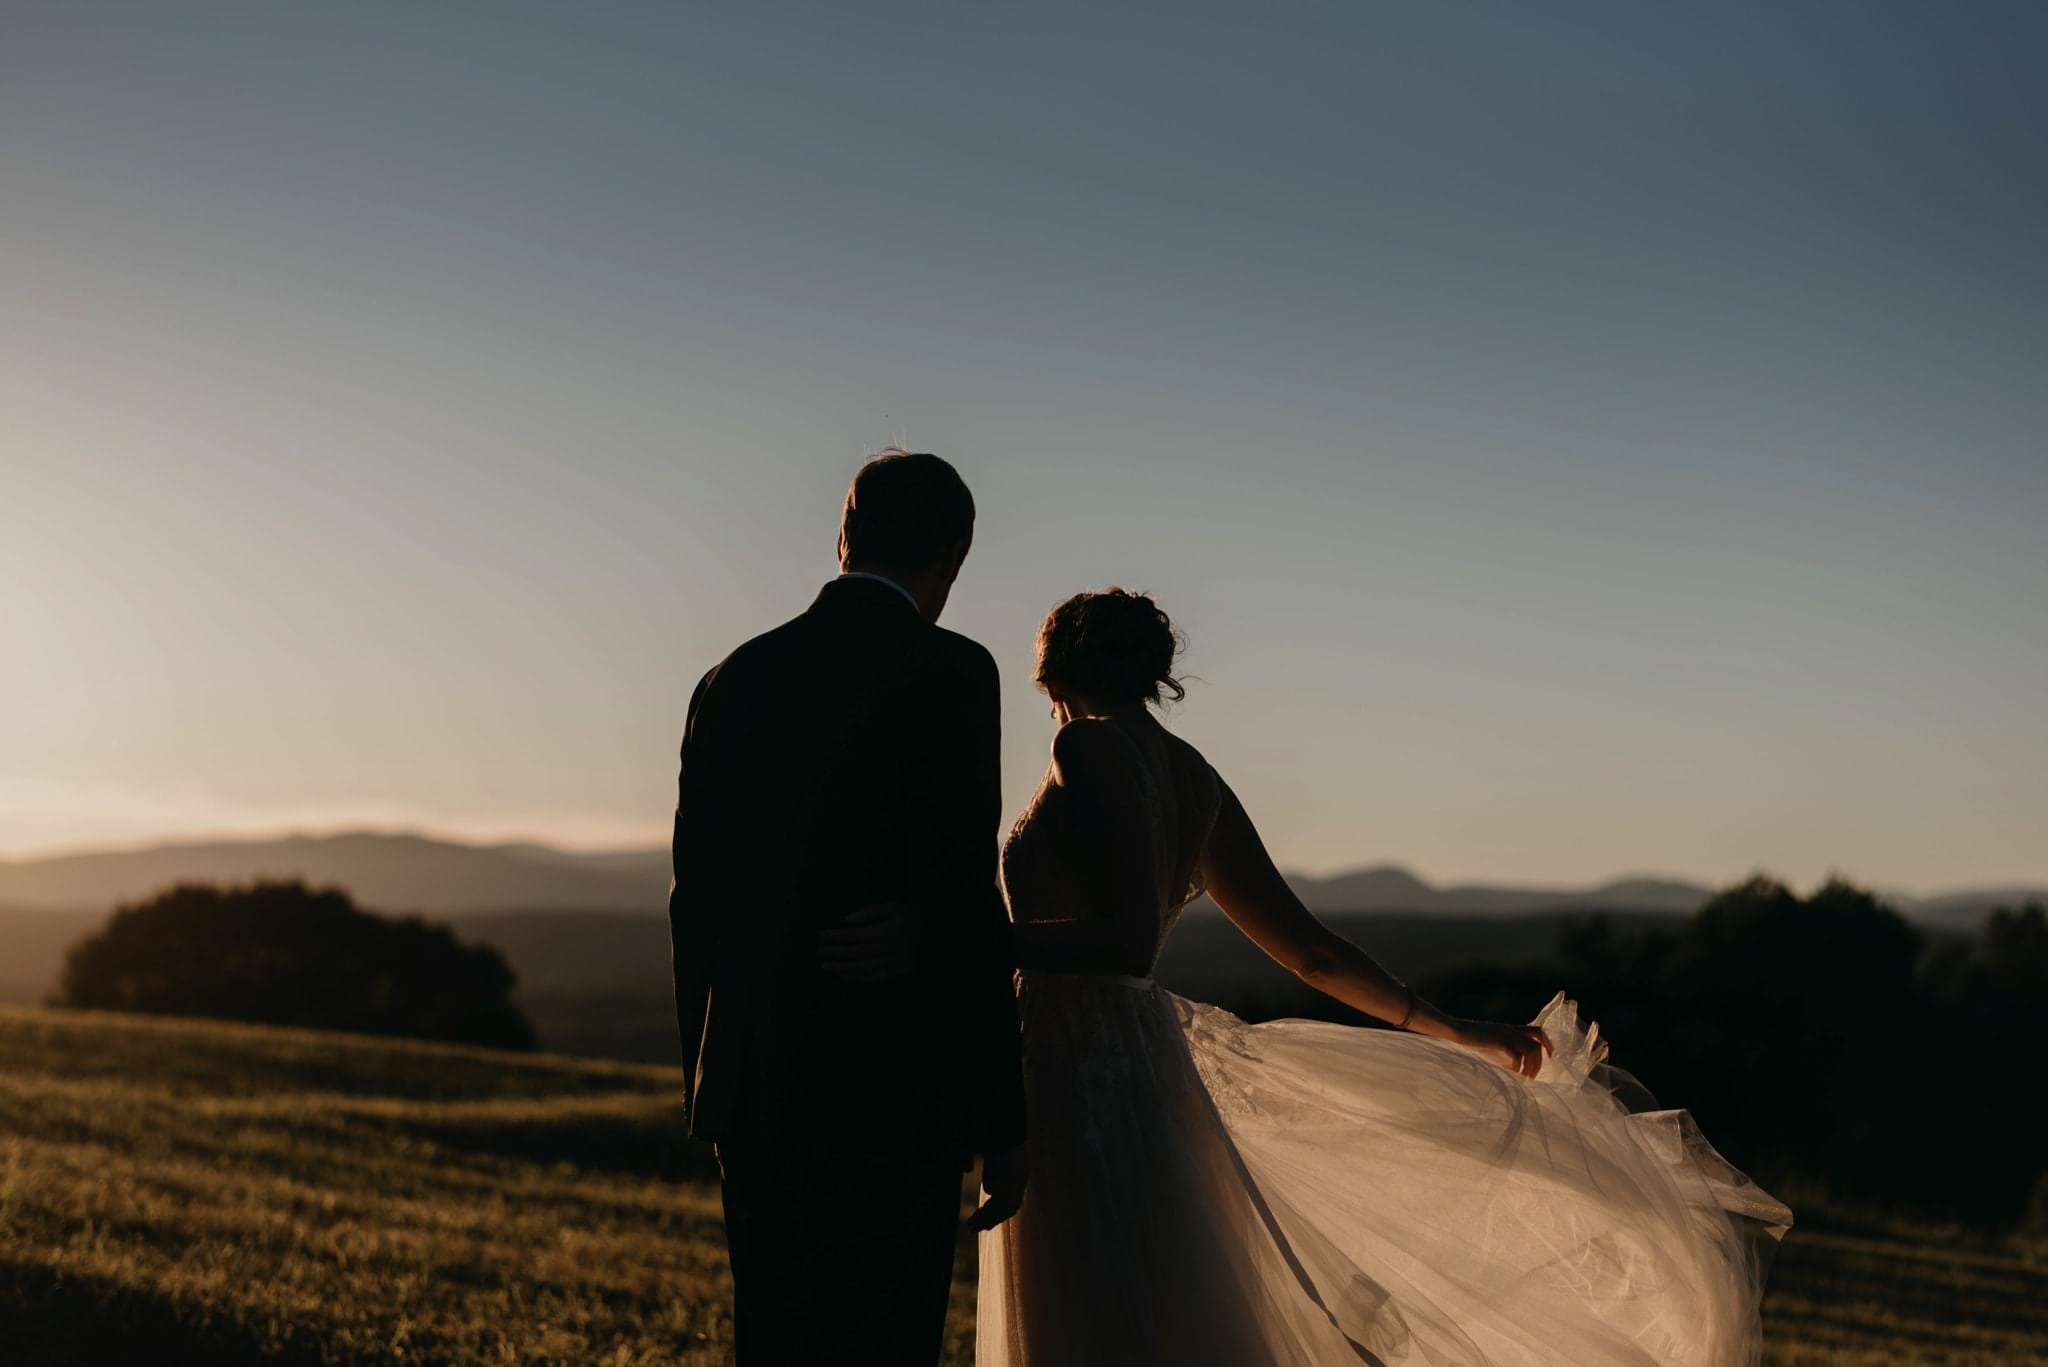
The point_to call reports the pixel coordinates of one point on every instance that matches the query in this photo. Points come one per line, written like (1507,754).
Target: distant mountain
(1387,887)
(645,866)
(400,873)
(587,937)
(1381,887)
(393,873)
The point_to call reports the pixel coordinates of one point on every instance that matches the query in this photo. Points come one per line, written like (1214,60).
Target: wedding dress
(1207,1193)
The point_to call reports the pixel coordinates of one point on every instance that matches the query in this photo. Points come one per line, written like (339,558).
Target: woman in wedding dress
(1206,1192)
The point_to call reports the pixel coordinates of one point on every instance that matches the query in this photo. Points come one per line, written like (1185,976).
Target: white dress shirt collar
(908,596)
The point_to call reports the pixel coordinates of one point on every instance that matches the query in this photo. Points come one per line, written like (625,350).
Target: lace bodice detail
(1181,809)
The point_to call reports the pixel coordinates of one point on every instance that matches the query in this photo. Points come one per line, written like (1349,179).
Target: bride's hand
(1517,1048)
(875,944)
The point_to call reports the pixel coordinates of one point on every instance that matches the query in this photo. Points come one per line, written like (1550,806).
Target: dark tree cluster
(1823,1038)
(283,954)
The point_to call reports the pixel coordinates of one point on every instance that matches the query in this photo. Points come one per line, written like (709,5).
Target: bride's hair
(1113,646)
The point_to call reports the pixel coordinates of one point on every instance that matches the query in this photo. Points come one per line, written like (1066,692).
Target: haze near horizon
(1576,443)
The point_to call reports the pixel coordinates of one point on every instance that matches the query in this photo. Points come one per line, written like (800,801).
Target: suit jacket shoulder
(965,657)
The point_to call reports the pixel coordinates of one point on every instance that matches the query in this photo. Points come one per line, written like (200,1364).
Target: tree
(1788,1016)
(280,953)
(1988,1001)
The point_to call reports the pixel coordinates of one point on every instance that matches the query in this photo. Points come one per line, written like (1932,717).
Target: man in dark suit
(842,957)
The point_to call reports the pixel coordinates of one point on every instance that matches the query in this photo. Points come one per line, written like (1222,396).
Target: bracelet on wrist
(1403,1025)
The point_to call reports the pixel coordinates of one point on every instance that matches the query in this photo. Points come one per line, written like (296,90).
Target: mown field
(179,1192)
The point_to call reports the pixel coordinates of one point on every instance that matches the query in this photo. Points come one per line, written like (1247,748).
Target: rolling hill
(1388,887)
(390,872)
(587,934)
(409,872)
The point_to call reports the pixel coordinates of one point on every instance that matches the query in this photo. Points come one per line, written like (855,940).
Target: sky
(1576,440)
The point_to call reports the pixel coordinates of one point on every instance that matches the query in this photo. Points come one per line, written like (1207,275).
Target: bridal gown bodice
(1208,1193)
(1180,810)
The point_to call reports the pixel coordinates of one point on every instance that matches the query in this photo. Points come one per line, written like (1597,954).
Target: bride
(1210,1192)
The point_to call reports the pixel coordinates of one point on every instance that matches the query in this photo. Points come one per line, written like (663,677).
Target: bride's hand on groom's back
(1517,1048)
(876,944)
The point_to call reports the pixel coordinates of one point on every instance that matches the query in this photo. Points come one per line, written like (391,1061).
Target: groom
(842,958)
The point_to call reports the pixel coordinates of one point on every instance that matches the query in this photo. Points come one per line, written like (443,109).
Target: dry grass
(176,1191)
(1849,1292)
(231,1194)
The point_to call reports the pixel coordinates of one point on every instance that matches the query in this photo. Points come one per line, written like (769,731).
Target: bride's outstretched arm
(1116,929)
(1245,883)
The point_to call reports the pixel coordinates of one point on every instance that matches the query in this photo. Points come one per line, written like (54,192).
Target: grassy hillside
(178,1191)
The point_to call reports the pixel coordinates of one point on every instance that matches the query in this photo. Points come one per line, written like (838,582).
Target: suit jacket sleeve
(693,897)
(965,942)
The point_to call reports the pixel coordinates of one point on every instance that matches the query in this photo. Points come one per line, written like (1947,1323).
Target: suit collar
(908,596)
(879,594)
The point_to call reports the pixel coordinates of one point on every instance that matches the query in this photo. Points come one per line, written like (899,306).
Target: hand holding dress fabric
(1520,1049)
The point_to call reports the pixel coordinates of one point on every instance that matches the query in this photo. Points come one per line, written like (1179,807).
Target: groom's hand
(878,943)
(1003,1176)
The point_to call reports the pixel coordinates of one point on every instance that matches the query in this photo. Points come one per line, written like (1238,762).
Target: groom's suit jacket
(844,758)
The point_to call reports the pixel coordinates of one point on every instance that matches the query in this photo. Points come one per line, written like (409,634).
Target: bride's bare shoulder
(1085,745)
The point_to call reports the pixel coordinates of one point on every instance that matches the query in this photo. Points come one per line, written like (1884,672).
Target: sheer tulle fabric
(1210,1192)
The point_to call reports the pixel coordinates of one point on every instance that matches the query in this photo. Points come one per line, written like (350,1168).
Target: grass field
(180,1192)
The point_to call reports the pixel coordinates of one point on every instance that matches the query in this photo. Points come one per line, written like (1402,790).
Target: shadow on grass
(61,1319)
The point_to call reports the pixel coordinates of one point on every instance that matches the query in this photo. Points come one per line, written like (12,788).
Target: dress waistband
(1119,979)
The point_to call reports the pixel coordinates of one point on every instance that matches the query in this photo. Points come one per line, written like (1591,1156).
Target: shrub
(279,953)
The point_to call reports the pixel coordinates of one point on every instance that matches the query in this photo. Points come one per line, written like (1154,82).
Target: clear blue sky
(1577,439)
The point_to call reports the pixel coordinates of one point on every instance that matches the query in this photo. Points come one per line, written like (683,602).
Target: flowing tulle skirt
(1215,1194)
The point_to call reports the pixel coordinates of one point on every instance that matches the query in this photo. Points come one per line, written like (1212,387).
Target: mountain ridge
(387,871)
(407,871)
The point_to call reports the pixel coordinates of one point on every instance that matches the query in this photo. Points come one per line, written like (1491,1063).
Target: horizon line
(317,831)
(503,840)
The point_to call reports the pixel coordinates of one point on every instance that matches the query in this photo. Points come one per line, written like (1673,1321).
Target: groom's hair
(905,509)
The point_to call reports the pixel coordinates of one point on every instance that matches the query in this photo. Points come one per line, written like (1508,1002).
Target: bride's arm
(1116,928)
(1244,882)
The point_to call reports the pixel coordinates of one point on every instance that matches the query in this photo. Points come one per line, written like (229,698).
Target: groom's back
(805,793)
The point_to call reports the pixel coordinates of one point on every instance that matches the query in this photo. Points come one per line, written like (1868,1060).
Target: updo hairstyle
(1111,647)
